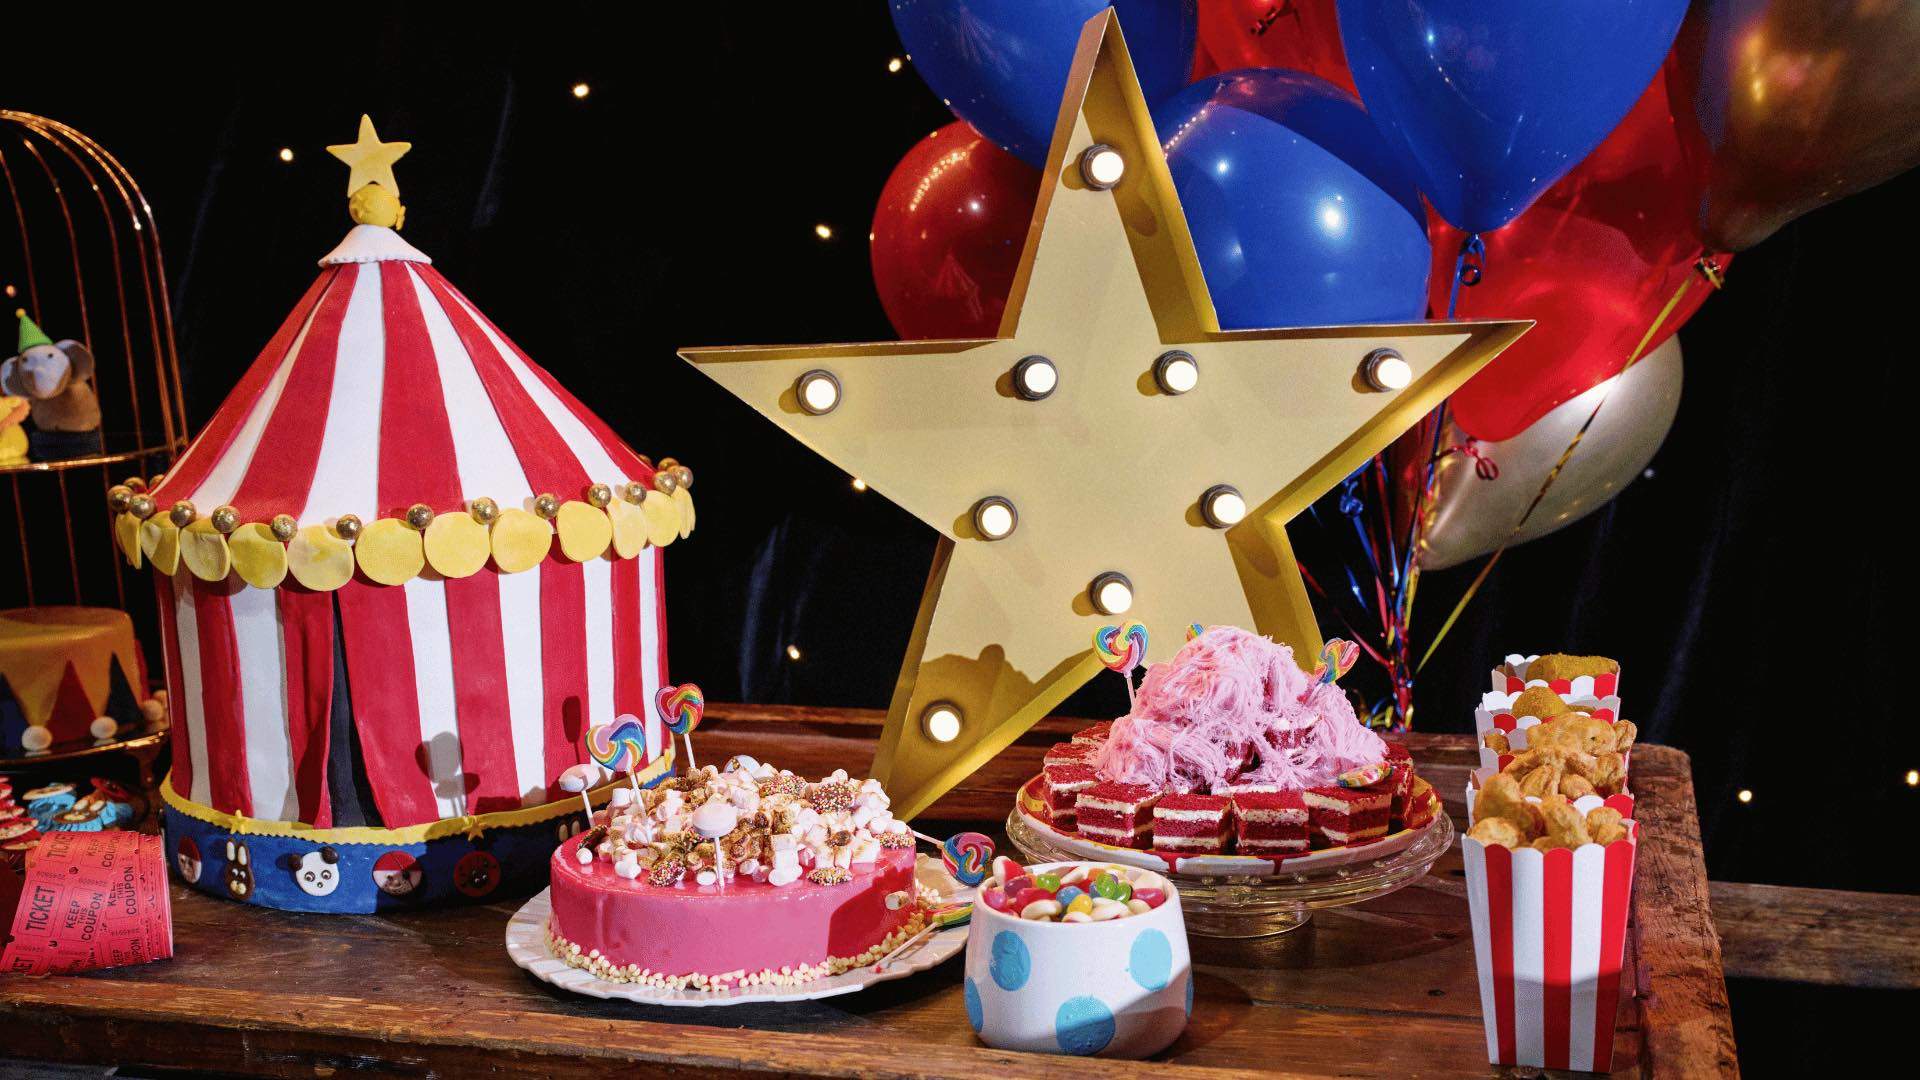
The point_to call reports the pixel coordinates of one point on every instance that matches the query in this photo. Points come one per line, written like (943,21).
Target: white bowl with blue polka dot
(1121,988)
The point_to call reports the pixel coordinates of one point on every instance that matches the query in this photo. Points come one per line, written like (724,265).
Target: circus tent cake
(400,572)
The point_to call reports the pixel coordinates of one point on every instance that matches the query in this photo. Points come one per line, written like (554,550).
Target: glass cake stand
(1241,905)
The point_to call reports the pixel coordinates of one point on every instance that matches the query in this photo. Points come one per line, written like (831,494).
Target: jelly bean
(1153,897)
(1076,916)
(1108,909)
(994,899)
(1082,904)
(1138,907)
(1110,887)
(1006,869)
(1028,896)
(1067,893)
(1049,882)
(1076,875)
(1041,909)
(1015,884)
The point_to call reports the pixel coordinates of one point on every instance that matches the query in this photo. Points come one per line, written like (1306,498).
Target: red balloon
(948,232)
(1300,34)
(1593,263)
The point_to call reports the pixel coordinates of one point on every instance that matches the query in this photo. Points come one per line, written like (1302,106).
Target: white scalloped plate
(527,945)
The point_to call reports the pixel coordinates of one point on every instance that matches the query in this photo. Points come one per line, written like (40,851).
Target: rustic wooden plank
(1383,988)
(1827,937)
(1682,988)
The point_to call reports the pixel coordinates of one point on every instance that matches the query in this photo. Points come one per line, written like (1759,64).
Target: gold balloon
(346,526)
(225,519)
(546,505)
(1472,516)
(140,506)
(118,496)
(420,515)
(600,495)
(484,510)
(285,528)
(182,514)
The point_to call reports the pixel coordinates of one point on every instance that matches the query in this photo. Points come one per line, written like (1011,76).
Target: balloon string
(1554,473)
(1468,267)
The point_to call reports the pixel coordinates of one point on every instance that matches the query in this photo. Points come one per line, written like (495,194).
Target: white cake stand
(527,945)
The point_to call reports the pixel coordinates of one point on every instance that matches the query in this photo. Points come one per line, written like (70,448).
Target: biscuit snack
(1504,816)
(1555,667)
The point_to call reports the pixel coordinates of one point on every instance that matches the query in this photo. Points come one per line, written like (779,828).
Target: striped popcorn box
(1549,933)
(1511,677)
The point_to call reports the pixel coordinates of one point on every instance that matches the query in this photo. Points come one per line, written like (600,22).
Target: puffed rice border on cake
(600,967)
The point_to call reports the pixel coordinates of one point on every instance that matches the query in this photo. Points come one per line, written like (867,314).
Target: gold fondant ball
(118,496)
(135,485)
(634,492)
(546,505)
(420,515)
(347,527)
(484,510)
(182,514)
(600,495)
(665,481)
(140,506)
(683,476)
(285,528)
(225,519)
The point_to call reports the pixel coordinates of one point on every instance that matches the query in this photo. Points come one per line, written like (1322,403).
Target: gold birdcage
(84,262)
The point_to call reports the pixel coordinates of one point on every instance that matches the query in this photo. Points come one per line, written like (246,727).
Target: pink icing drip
(1233,707)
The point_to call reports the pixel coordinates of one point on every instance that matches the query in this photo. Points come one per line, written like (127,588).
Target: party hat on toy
(30,332)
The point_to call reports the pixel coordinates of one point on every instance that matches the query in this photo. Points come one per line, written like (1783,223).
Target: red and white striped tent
(461,690)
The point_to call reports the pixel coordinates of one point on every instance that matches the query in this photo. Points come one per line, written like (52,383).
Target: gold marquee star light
(1112,454)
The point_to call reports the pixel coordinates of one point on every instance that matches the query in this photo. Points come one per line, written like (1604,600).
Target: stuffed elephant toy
(56,378)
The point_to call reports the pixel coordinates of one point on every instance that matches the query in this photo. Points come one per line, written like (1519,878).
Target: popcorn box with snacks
(1510,718)
(1593,680)
(1549,934)
(1119,987)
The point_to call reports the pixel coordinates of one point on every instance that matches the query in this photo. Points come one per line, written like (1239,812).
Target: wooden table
(1383,988)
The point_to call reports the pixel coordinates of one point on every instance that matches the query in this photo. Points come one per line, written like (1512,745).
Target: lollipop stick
(587,805)
(923,836)
(692,765)
(925,932)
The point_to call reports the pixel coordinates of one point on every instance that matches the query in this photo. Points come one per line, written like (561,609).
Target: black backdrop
(1754,587)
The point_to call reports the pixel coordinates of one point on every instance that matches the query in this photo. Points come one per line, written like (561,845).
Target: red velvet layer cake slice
(1402,762)
(1191,824)
(1072,753)
(1349,815)
(1118,814)
(1062,785)
(1270,823)
(1423,805)
(1097,733)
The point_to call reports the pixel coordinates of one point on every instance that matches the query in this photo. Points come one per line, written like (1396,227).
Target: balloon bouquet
(1592,167)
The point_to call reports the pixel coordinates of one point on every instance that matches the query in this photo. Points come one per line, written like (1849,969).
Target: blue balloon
(1001,65)
(1494,100)
(1299,212)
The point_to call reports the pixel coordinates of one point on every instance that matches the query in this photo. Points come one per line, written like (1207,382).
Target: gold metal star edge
(1111,471)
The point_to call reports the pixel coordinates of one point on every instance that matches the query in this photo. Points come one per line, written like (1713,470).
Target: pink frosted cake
(805,880)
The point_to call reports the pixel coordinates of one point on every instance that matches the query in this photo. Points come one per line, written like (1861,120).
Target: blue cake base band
(362,870)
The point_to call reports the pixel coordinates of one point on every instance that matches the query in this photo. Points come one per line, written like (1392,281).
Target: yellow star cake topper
(1112,453)
(369,160)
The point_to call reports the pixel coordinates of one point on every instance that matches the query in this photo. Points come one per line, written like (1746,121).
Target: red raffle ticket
(91,900)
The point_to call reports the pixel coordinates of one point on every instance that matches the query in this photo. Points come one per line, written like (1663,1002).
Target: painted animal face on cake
(239,869)
(476,874)
(317,872)
(397,873)
(187,857)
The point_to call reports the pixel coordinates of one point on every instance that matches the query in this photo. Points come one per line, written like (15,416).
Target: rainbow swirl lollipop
(1336,659)
(1122,647)
(1194,630)
(968,856)
(681,707)
(620,746)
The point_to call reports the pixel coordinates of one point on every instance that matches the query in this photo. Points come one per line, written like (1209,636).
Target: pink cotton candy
(1233,707)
